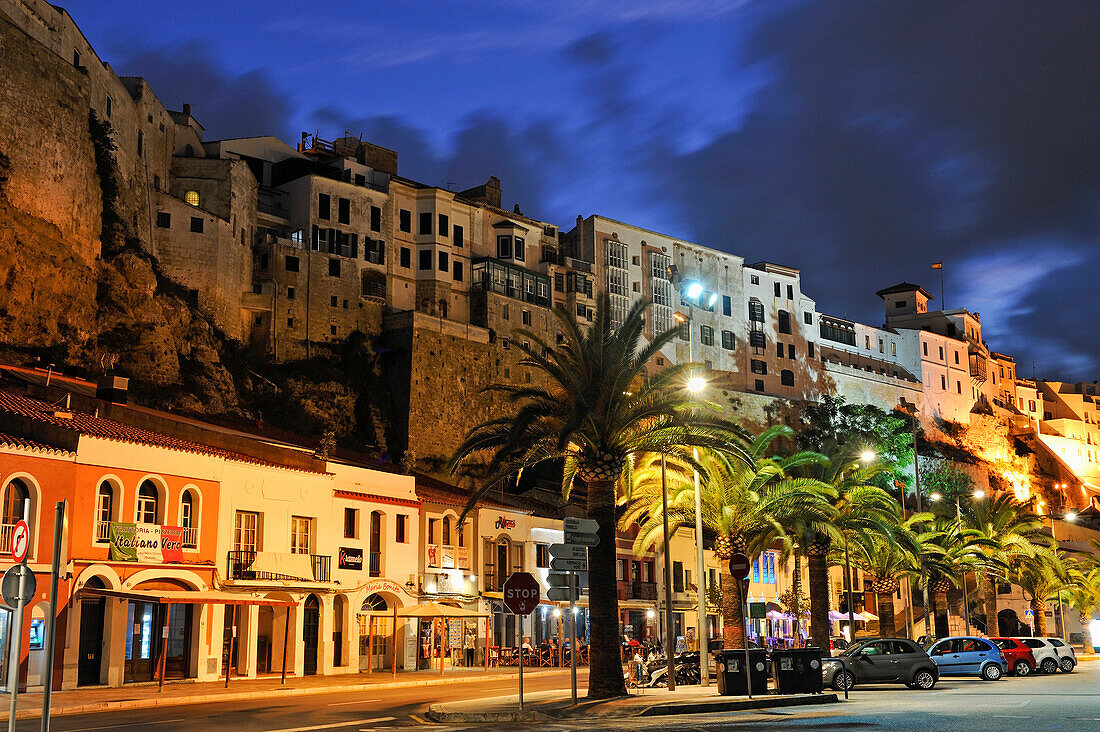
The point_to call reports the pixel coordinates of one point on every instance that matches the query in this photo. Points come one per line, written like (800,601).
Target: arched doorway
(311,626)
(92,609)
(374,653)
(154,629)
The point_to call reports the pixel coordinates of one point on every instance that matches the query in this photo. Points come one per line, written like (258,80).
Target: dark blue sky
(857,140)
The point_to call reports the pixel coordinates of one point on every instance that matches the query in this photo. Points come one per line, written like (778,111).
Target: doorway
(92,611)
(311,626)
(144,620)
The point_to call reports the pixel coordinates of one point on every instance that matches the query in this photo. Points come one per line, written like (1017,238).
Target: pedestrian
(471,645)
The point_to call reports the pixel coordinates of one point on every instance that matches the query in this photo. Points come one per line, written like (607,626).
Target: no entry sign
(521,593)
(20,540)
(739,566)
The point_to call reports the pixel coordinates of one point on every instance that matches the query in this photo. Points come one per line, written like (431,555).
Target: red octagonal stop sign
(521,593)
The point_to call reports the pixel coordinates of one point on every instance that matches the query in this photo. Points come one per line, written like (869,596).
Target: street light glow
(713,299)
(867,456)
(694,290)
(935,496)
(679,318)
(696,384)
(1071,516)
(979,494)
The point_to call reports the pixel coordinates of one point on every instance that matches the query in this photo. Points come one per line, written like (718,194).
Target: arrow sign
(581,539)
(569,565)
(561,580)
(568,551)
(580,526)
(563,594)
(20,540)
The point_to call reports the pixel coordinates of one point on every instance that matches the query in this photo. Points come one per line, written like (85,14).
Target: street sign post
(521,597)
(568,551)
(739,568)
(20,540)
(18,585)
(581,539)
(569,565)
(60,534)
(580,526)
(572,557)
(17,588)
(563,587)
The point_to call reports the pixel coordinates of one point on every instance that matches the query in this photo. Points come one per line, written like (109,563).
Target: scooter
(685,664)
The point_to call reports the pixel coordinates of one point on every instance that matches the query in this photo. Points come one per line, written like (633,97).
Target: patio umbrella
(776,615)
(633,642)
(835,616)
(866,616)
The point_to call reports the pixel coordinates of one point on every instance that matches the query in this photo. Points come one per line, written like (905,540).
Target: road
(1061,702)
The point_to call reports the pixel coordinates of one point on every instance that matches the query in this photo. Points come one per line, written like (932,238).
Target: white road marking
(349,723)
(130,724)
(357,701)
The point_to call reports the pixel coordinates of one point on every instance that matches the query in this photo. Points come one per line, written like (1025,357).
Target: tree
(1042,577)
(1009,533)
(1082,593)
(590,408)
(886,558)
(948,552)
(749,507)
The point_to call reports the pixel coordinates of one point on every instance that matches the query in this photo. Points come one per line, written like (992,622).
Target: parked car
(838,643)
(880,660)
(1019,658)
(965,655)
(1051,657)
(1067,657)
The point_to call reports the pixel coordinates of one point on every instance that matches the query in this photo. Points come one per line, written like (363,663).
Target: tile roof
(95,426)
(13,441)
(433,490)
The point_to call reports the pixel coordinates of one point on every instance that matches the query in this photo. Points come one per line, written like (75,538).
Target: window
(404,218)
(246,532)
(758,340)
(164,220)
(542,555)
(444,225)
(880,349)
(300,530)
(526,316)
(148,503)
(756,311)
(334,268)
(109,105)
(959,387)
(196,225)
(401,528)
(104,510)
(778,290)
(786,377)
(351,523)
(941,353)
(759,385)
(677,576)
(332,330)
(425,224)
(504,247)
(324,205)
(375,218)
(790,351)
(893,348)
(291,264)
(943,383)
(458,273)
(616,254)
(956,358)
(779,350)
(808,318)
(189,520)
(425,259)
(375,564)
(784,322)
(518,250)
(706,335)
(406,257)
(754,279)
(759,367)
(727,305)
(924,346)
(444,262)
(790,292)
(728,341)
(343,210)
(290,322)
(810,350)
(456,235)
(504,313)
(867,342)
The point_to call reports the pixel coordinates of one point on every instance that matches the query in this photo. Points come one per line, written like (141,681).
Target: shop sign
(384,585)
(146,543)
(463,557)
(505,523)
(351,558)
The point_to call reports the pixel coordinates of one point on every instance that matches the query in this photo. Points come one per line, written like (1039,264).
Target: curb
(152,702)
(735,705)
(527,715)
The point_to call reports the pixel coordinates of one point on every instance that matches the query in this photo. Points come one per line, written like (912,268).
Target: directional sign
(572,537)
(580,526)
(739,566)
(563,594)
(20,540)
(569,565)
(561,580)
(9,586)
(521,593)
(568,551)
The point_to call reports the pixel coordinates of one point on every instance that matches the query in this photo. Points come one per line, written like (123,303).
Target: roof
(93,425)
(433,490)
(188,597)
(13,441)
(904,287)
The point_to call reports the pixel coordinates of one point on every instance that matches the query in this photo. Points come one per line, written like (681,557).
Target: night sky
(857,141)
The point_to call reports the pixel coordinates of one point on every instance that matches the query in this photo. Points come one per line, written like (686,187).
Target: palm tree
(1082,593)
(1042,577)
(948,551)
(885,558)
(1009,532)
(589,408)
(860,507)
(748,507)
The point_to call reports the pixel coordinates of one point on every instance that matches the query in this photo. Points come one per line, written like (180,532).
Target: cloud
(226,103)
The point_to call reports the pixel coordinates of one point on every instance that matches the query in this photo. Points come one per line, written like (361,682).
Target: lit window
(191,198)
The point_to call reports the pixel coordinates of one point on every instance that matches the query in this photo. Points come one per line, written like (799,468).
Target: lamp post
(1068,516)
(920,509)
(670,663)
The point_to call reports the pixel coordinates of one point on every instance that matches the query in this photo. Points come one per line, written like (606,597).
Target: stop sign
(521,593)
(739,566)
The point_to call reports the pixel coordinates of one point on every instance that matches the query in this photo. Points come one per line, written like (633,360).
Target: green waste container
(730,667)
(797,670)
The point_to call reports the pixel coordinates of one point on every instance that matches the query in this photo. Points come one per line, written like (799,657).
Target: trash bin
(797,670)
(730,667)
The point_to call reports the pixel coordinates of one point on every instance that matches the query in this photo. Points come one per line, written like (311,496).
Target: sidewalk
(144,696)
(544,706)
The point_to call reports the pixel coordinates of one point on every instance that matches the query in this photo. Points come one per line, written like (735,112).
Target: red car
(1019,658)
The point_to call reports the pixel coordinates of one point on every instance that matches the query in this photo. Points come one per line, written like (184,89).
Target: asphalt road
(1066,702)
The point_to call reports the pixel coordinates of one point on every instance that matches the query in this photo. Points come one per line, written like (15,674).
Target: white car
(1051,654)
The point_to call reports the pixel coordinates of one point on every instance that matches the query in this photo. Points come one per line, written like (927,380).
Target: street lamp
(1068,516)
(669,659)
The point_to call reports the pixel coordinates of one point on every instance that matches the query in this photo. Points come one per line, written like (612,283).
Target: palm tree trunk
(1039,610)
(605,676)
(819,601)
(797,586)
(887,627)
(989,602)
(733,619)
(941,615)
(851,594)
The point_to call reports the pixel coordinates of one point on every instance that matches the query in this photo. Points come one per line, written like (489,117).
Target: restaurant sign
(351,558)
(146,543)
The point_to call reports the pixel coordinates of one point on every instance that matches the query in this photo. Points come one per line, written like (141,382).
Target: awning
(187,597)
(429,610)
(284,564)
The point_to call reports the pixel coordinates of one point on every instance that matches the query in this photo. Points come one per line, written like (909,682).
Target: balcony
(5,536)
(265,566)
(103,531)
(190,537)
(375,564)
(643,591)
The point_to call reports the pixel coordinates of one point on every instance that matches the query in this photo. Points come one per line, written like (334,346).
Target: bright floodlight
(713,299)
(649,613)
(935,496)
(694,290)
(979,494)
(696,384)
(867,456)
(1071,516)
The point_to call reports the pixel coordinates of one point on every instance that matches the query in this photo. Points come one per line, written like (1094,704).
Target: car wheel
(1049,665)
(1022,668)
(924,680)
(992,672)
(1066,665)
(843,680)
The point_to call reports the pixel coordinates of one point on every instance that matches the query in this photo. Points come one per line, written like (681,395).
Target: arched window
(15,493)
(786,377)
(188,520)
(104,510)
(446,531)
(148,503)
(191,198)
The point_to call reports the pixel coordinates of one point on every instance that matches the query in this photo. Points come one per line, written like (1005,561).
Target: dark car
(1019,658)
(881,660)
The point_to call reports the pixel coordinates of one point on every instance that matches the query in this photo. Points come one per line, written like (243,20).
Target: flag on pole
(937,265)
